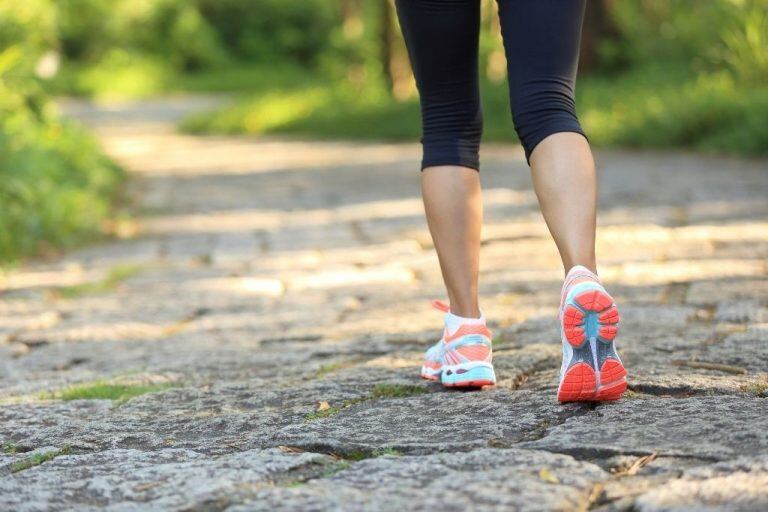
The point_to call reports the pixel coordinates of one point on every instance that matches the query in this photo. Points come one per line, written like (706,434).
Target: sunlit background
(653,73)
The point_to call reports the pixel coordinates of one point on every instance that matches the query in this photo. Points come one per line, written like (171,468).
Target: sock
(453,322)
(579,273)
(580,269)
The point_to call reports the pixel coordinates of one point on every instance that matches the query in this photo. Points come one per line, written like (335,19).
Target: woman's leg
(564,179)
(454,214)
(541,39)
(442,39)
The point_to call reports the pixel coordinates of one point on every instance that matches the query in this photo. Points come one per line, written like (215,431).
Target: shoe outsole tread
(592,312)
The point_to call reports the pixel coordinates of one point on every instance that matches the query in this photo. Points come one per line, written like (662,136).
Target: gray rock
(746,349)
(715,427)
(432,422)
(738,485)
(144,480)
(487,479)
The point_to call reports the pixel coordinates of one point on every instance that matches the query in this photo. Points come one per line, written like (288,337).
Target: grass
(359,455)
(103,390)
(325,413)
(37,459)
(342,462)
(656,106)
(132,77)
(396,391)
(334,367)
(116,275)
(9,448)
(380,391)
(758,388)
(328,470)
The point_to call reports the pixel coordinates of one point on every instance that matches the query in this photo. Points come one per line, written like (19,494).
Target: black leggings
(541,40)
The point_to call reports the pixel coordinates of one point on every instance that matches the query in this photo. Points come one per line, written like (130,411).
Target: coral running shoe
(462,358)
(591,370)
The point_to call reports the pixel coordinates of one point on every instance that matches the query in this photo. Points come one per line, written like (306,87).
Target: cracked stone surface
(514,480)
(266,280)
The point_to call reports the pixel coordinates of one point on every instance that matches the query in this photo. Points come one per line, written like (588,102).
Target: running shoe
(591,370)
(462,358)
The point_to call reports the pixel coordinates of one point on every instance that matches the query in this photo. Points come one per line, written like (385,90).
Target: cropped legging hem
(541,42)
(434,157)
(571,126)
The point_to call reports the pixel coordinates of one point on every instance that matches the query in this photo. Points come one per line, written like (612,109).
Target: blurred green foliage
(677,73)
(55,185)
(137,48)
(655,73)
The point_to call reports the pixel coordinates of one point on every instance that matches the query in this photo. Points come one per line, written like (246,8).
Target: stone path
(250,300)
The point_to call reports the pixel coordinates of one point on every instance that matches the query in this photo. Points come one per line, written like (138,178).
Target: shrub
(55,184)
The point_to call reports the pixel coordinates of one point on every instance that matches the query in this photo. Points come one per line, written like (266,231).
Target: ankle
(465,311)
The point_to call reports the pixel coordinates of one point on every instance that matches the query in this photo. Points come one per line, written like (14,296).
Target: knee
(542,108)
(451,136)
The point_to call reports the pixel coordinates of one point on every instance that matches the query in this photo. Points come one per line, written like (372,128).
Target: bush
(273,30)
(193,35)
(649,107)
(658,107)
(55,184)
(700,36)
(746,46)
(174,31)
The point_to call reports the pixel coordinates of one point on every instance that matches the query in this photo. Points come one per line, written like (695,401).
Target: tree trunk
(598,28)
(387,42)
(394,56)
(351,19)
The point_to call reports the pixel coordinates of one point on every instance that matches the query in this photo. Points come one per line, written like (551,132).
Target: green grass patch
(116,275)
(387,451)
(331,368)
(325,413)
(328,469)
(396,391)
(336,366)
(37,459)
(359,455)
(102,390)
(379,392)
(498,340)
(122,76)
(9,448)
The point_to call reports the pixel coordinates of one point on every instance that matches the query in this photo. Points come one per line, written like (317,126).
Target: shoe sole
(469,375)
(590,324)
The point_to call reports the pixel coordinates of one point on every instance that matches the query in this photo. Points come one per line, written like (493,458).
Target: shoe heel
(464,376)
(579,384)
